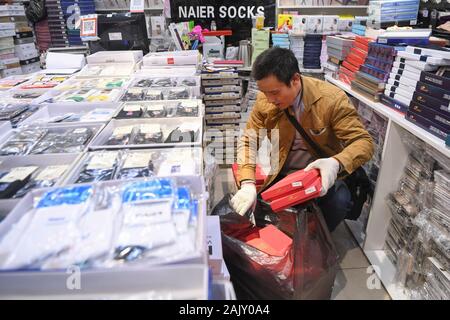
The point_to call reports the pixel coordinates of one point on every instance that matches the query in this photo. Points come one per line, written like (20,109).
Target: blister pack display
(100,166)
(43,178)
(94,226)
(155,82)
(63,140)
(160,93)
(22,142)
(166,109)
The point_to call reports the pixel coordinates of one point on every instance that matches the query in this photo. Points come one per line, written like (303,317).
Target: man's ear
(296,78)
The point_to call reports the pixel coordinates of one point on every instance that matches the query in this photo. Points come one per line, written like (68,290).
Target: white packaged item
(314,24)
(299,24)
(330,24)
(132,57)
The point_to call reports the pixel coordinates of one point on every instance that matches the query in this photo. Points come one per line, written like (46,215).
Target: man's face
(278,92)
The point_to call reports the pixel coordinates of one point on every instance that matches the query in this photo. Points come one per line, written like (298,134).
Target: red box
(292,183)
(361,46)
(363,40)
(260,177)
(271,241)
(298,197)
(359,53)
(350,66)
(355,60)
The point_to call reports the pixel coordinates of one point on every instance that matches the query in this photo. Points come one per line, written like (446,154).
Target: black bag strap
(305,136)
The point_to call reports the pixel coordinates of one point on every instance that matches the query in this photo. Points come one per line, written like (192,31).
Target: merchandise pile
(354,60)
(338,48)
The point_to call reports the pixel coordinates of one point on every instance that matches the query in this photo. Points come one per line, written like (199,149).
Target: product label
(115,36)
(52,172)
(148,213)
(150,128)
(310,190)
(155,107)
(297,184)
(121,131)
(103,160)
(18,173)
(132,108)
(137,160)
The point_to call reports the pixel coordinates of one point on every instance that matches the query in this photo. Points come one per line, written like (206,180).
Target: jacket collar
(309,94)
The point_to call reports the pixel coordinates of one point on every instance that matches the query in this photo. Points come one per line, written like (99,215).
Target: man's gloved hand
(329,168)
(245,198)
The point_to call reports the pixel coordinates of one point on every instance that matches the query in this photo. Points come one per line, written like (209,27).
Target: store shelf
(386,271)
(395,116)
(311,70)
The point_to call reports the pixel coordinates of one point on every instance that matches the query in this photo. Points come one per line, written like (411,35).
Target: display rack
(394,158)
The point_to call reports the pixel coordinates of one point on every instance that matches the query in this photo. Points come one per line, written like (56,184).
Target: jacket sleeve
(358,144)
(249,142)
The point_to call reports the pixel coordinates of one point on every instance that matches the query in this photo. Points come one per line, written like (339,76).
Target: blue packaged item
(157,189)
(65,196)
(183,199)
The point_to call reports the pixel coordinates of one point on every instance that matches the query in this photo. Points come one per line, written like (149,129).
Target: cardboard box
(292,183)
(303,195)
(214,244)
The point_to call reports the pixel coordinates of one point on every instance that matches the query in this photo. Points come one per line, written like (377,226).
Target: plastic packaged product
(155,111)
(147,218)
(143,83)
(120,136)
(137,165)
(114,83)
(183,133)
(24,115)
(27,96)
(188,82)
(22,142)
(134,94)
(148,134)
(75,95)
(100,166)
(44,178)
(130,111)
(10,111)
(162,82)
(187,109)
(178,93)
(97,115)
(51,228)
(182,209)
(57,140)
(153,94)
(13,180)
(104,95)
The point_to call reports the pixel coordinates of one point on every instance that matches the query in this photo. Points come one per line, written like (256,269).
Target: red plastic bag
(306,271)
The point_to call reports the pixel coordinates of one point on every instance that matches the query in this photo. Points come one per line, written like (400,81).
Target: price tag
(113,36)
(18,173)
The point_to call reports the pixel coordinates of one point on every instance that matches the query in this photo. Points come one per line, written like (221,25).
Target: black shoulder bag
(358,183)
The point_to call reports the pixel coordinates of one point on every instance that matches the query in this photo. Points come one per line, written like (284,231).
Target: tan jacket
(329,118)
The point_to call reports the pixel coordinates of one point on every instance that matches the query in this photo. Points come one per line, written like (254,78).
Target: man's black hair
(278,62)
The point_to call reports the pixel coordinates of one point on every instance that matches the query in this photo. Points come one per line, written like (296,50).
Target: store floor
(354,273)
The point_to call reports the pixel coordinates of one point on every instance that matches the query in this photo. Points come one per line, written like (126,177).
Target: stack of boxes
(372,76)
(338,47)
(354,59)
(17,50)
(385,11)
(75,8)
(222,97)
(312,51)
(422,74)
(298,47)
(56,24)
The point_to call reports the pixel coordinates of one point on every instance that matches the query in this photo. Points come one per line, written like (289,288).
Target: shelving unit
(394,158)
(126,9)
(322,7)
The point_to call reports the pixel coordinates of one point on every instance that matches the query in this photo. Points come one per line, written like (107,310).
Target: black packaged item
(148,134)
(162,82)
(9,112)
(100,166)
(431,102)
(22,142)
(24,115)
(177,93)
(134,94)
(26,95)
(130,111)
(156,111)
(45,178)
(431,90)
(187,109)
(182,134)
(64,140)
(151,94)
(14,180)
(188,82)
(120,136)
(143,83)
(137,165)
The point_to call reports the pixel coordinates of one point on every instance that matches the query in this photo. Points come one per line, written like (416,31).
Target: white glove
(245,198)
(329,168)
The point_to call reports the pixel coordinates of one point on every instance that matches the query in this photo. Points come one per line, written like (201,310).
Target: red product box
(344,78)
(359,53)
(350,66)
(313,191)
(260,176)
(271,241)
(292,183)
(361,46)
(355,60)
(363,40)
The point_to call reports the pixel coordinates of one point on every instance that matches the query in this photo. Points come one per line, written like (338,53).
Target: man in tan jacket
(327,116)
